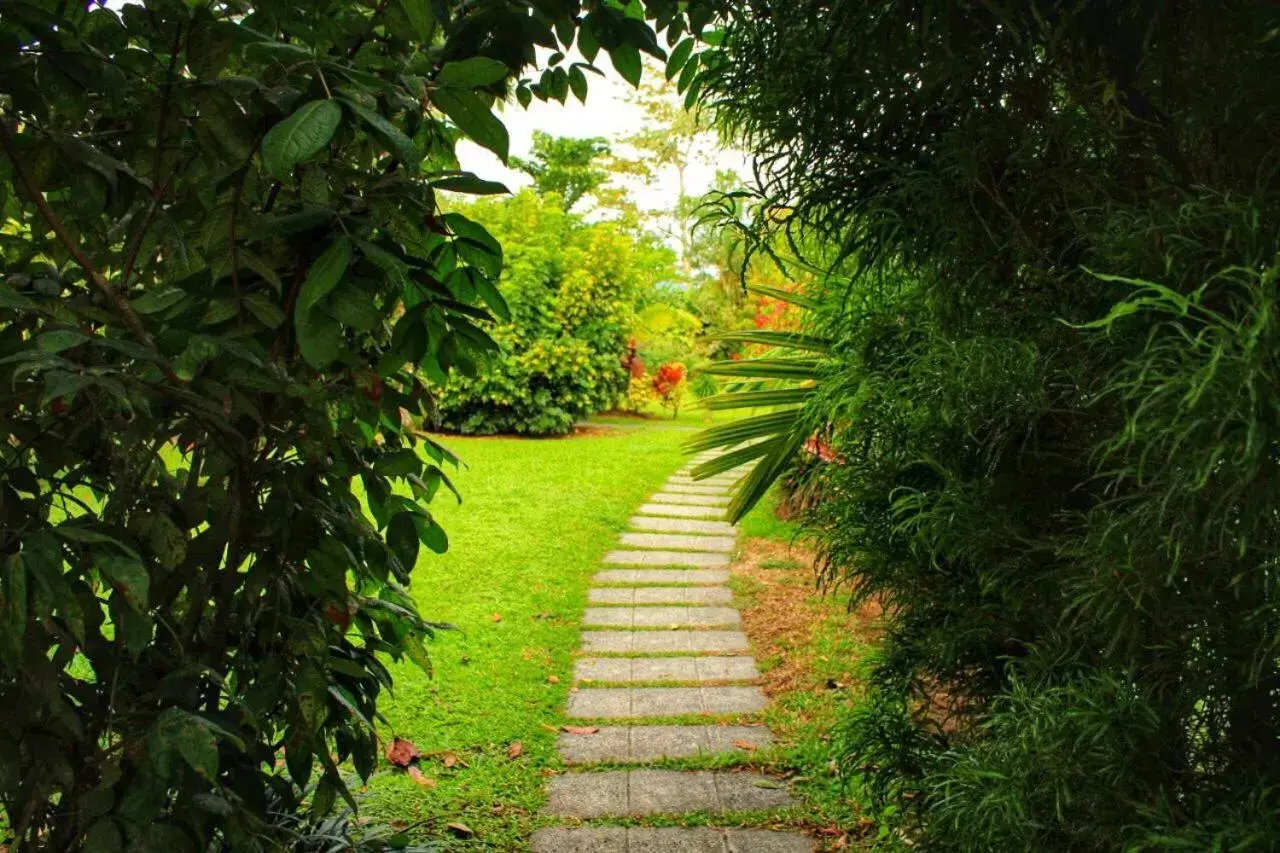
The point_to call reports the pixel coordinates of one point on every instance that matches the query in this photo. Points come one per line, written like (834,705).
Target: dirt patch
(594,431)
(785,611)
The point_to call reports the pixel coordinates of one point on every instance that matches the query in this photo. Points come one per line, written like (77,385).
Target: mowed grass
(536,519)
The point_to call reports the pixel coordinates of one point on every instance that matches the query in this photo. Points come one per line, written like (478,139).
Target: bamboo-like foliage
(1051,388)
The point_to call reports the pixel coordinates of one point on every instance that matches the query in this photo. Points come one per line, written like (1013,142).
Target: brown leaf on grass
(553,679)
(497,617)
(418,776)
(580,730)
(747,745)
(450,760)
(401,752)
(460,829)
(515,750)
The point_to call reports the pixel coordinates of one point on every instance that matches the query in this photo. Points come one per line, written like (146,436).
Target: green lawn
(536,518)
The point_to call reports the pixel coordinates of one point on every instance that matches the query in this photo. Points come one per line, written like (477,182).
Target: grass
(811,650)
(536,519)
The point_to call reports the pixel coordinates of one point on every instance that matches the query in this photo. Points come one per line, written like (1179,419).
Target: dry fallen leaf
(450,760)
(401,752)
(515,750)
(553,679)
(581,730)
(417,775)
(746,744)
(497,617)
(460,829)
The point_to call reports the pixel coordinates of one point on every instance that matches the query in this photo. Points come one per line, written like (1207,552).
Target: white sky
(611,113)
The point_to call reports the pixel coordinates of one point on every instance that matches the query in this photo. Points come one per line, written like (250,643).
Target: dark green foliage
(1051,392)
(221,251)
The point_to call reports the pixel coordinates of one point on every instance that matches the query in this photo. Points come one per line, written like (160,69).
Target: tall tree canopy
(569,167)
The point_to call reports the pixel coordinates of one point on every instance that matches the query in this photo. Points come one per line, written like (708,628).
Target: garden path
(665,677)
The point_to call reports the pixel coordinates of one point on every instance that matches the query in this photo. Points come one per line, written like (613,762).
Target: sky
(611,113)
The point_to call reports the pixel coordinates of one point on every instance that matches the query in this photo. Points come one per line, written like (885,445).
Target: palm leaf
(784,340)
(784,296)
(758,399)
(734,458)
(767,368)
(748,429)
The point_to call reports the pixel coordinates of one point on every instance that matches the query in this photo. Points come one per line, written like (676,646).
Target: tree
(1040,355)
(226,273)
(566,166)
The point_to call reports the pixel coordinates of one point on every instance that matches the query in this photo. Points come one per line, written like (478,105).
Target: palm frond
(784,340)
(748,429)
(758,399)
(767,368)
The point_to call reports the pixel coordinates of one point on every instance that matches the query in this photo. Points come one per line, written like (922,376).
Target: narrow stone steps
(701,577)
(682,669)
(682,511)
(626,702)
(669,497)
(636,793)
(700,559)
(681,525)
(660,595)
(638,744)
(662,620)
(657,642)
(641,839)
(660,617)
(678,542)
(692,489)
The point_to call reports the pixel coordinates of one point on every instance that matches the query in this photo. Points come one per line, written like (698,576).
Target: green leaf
(474,119)
(155,301)
(324,274)
(431,534)
(392,137)
(103,837)
(60,340)
(470,184)
(13,605)
(398,464)
(473,72)
(420,18)
(578,83)
(417,652)
(176,730)
(354,307)
(492,296)
(319,337)
(299,136)
(128,576)
(679,57)
(402,538)
(626,61)
(266,310)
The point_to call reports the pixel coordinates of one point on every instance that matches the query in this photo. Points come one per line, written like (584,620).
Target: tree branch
(121,305)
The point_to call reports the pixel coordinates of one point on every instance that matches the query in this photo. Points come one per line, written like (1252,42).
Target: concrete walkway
(663,640)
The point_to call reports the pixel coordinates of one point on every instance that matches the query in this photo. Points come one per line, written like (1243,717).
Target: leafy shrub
(1044,382)
(669,385)
(564,349)
(221,249)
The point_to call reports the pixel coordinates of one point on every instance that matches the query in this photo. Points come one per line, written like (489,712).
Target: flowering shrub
(669,386)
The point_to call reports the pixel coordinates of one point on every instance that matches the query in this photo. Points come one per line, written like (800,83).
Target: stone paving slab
(623,793)
(682,511)
(660,617)
(682,525)
(660,595)
(689,489)
(669,497)
(740,668)
(704,577)
(624,744)
(716,480)
(670,839)
(619,702)
(652,642)
(700,559)
(678,542)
